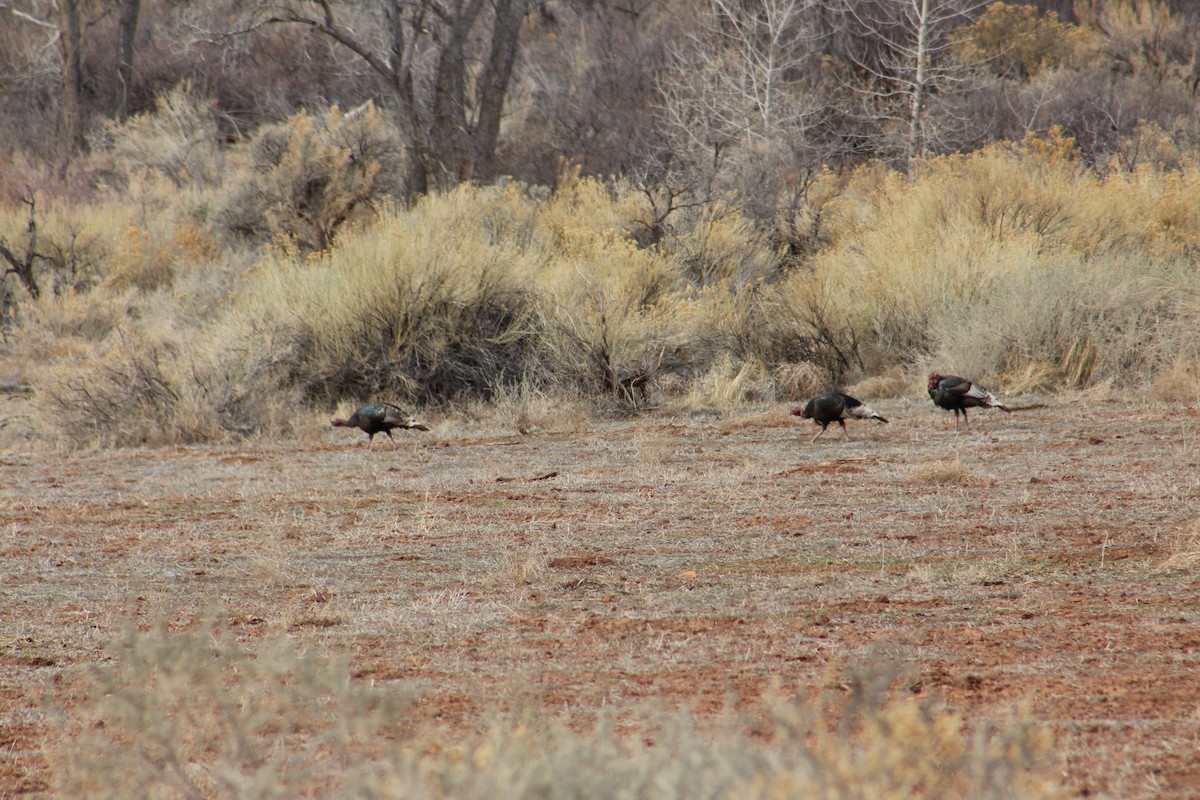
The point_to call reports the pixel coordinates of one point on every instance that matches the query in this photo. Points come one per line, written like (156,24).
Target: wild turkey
(834,407)
(958,394)
(379,418)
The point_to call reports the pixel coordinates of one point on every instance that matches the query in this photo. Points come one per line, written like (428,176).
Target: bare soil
(1021,567)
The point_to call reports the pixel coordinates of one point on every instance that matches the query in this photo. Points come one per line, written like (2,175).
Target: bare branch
(16,12)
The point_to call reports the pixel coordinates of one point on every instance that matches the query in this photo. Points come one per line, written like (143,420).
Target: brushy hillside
(1016,264)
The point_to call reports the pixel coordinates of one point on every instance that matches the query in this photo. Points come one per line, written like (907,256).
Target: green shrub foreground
(192,714)
(1014,264)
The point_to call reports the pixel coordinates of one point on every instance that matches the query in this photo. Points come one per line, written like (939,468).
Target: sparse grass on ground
(479,605)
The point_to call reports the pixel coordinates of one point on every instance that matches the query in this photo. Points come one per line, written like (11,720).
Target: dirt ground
(1025,566)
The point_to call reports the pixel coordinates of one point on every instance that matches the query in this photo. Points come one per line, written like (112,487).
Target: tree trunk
(495,80)
(446,134)
(916,145)
(69,40)
(126,33)
(449,134)
(400,82)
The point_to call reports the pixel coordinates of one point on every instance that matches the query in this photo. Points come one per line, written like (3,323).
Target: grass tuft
(944,472)
(1185,549)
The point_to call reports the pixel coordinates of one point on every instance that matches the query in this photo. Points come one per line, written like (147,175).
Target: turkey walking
(958,394)
(379,418)
(834,407)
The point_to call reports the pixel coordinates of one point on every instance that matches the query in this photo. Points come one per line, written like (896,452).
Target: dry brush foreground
(1041,568)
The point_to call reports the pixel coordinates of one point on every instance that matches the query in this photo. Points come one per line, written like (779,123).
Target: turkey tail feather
(863,412)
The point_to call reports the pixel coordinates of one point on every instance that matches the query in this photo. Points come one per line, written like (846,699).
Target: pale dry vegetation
(192,713)
(946,471)
(1015,265)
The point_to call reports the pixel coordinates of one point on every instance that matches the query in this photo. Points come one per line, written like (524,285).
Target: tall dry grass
(195,714)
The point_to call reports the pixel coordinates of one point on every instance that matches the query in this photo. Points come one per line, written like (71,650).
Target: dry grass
(945,472)
(1185,547)
(192,714)
(890,384)
(1178,384)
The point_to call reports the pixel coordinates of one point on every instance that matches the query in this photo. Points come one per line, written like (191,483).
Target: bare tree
(738,100)
(447,67)
(904,62)
(127,23)
(738,77)
(70,40)
(22,265)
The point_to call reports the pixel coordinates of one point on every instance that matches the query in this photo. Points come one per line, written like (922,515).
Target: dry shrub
(126,392)
(126,370)
(1009,257)
(54,327)
(141,262)
(1179,383)
(1032,376)
(609,307)
(192,714)
(178,141)
(798,381)
(728,384)
(162,168)
(891,384)
(1015,41)
(943,473)
(610,321)
(718,247)
(527,408)
(1012,265)
(420,308)
(307,178)
(72,242)
(482,290)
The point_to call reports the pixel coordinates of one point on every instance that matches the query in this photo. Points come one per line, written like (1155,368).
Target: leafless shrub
(309,177)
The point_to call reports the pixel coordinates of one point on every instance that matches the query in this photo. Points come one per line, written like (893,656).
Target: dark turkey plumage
(835,407)
(379,418)
(958,394)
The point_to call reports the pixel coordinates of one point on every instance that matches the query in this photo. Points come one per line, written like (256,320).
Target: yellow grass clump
(1185,547)
(943,472)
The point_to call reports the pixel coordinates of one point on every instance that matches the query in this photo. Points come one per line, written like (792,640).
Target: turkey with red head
(379,418)
(958,394)
(834,407)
